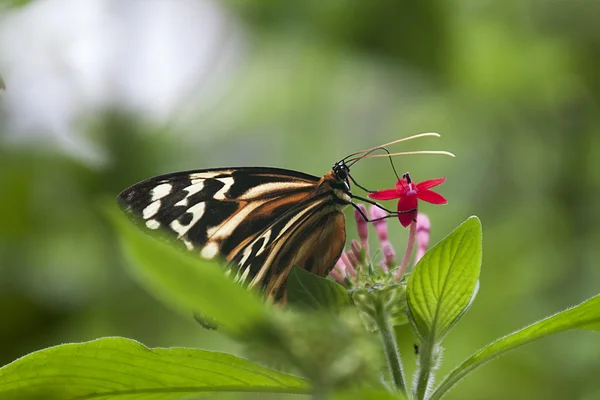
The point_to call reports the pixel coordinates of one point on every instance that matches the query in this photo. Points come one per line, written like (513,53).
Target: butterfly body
(261,221)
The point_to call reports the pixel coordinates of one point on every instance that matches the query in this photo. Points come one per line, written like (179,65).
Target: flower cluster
(383,287)
(408,194)
(356,259)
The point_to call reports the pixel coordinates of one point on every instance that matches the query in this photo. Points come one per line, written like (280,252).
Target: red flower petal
(401,185)
(406,219)
(430,183)
(431,197)
(386,194)
(407,203)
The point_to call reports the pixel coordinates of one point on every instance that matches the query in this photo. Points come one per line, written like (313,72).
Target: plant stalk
(390,348)
(425,372)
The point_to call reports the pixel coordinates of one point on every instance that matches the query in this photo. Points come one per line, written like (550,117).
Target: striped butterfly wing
(311,234)
(261,220)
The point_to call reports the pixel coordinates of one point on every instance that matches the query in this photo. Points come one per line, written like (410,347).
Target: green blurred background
(101,94)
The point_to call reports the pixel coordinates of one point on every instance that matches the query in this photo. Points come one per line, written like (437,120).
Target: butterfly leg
(360,186)
(379,205)
(390,213)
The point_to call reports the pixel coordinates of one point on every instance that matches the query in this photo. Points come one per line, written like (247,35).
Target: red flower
(408,194)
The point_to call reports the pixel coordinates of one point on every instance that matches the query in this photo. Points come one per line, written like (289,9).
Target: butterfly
(261,220)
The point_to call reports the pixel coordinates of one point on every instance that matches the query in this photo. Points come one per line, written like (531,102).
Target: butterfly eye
(341,170)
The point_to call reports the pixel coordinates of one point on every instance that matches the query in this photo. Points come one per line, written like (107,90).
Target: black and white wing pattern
(262,221)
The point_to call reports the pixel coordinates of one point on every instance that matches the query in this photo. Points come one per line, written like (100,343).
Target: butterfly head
(341,170)
(342,173)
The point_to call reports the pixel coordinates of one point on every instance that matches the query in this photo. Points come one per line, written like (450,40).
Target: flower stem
(426,371)
(410,245)
(390,348)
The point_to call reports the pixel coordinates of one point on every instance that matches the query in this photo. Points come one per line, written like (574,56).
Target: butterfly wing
(213,210)
(311,234)
(263,221)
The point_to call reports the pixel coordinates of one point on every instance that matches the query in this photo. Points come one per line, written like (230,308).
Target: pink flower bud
(383,266)
(423,229)
(356,250)
(353,259)
(335,274)
(381,225)
(361,224)
(350,271)
(340,266)
(389,254)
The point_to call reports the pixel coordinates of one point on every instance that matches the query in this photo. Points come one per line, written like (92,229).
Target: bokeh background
(103,93)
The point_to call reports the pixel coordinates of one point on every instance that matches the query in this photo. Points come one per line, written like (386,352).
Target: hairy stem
(390,348)
(425,372)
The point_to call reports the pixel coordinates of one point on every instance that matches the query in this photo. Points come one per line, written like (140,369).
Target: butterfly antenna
(434,134)
(354,161)
(404,153)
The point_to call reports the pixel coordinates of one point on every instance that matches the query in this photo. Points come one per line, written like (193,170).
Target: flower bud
(336,274)
(383,266)
(389,254)
(423,229)
(353,259)
(361,224)
(357,250)
(381,225)
(350,271)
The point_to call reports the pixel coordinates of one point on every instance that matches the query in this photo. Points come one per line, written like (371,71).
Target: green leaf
(118,368)
(309,291)
(584,316)
(189,283)
(444,282)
